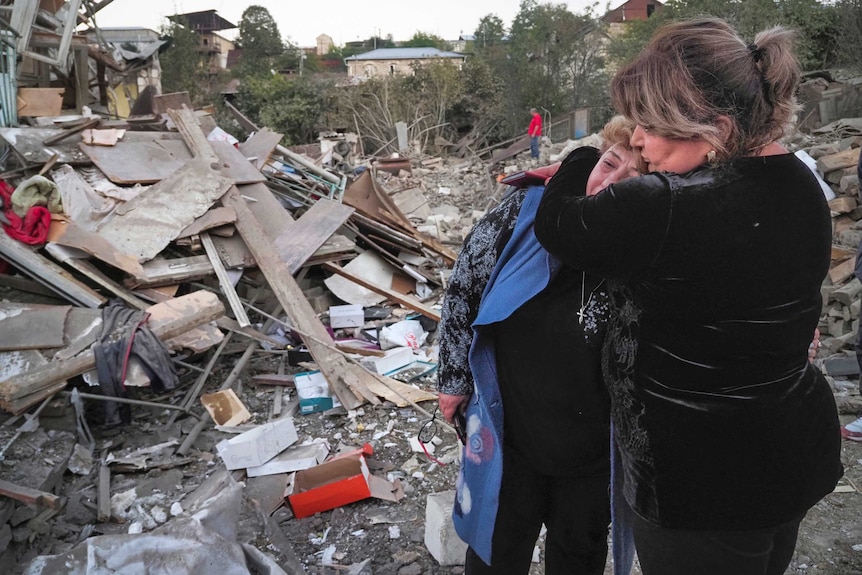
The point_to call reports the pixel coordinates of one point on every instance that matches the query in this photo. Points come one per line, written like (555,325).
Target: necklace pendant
(581,316)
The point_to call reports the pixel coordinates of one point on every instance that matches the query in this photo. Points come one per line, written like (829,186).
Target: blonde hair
(618,131)
(694,71)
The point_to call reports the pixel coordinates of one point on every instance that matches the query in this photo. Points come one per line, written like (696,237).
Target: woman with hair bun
(714,263)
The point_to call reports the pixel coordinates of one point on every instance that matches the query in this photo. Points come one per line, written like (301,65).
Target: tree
(183,65)
(259,40)
(423,39)
(490,32)
(817,24)
(296,107)
(849,32)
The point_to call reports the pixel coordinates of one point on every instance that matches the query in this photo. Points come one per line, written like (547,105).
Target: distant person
(535,132)
(853,431)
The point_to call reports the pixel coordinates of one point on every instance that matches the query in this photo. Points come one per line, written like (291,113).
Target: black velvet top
(715,278)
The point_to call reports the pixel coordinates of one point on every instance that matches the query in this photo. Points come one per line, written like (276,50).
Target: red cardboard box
(329,485)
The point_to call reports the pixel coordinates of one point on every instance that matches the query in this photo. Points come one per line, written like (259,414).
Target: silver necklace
(581,312)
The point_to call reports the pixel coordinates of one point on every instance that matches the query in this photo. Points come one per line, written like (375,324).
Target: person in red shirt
(535,131)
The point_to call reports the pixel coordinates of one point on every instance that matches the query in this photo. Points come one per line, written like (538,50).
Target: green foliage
(549,58)
(552,61)
(849,33)
(295,107)
(260,42)
(816,23)
(422,40)
(489,33)
(183,65)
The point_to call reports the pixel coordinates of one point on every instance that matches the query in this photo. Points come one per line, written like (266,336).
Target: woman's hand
(450,404)
(815,344)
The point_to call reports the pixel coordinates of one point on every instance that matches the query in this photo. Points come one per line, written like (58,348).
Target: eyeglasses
(430,428)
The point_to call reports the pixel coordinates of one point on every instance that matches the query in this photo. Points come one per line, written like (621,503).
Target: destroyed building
(229,345)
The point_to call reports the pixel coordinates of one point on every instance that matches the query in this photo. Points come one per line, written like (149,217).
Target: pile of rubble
(183,311)
(296,294)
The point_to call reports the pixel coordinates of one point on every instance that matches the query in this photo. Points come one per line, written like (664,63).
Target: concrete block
(440,537)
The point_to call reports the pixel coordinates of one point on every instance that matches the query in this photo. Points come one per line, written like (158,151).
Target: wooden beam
(30,496)
(189,311)
(346,380)
(48,273)
(227,287)
(342,376)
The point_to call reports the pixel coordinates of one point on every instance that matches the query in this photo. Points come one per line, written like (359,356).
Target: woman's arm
(615,233)
(470,274)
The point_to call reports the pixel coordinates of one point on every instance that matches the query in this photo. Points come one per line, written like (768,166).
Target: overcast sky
(344,20)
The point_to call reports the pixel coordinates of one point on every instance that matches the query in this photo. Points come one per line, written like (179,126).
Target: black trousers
(680,552)
(575,511)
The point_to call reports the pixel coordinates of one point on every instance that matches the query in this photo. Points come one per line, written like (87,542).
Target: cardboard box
(294,458)
(329,485)
(394,358)
(313,392)
(337,482)
(255,447)
(225,408)
(346,316)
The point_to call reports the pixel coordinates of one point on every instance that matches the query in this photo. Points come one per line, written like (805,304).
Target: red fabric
(535,128)
(33,228)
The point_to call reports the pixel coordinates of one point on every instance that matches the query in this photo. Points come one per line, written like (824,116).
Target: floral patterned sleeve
(470,274)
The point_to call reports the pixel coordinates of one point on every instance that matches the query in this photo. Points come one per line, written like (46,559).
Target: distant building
(463,42)
(630,11)
(324,44)
(205,24)
(131,64)
(389,61)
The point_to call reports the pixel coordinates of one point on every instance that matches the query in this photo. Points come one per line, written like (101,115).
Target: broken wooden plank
(345,380)
(48,273)
(32,326)
(227,287)
(172,101)
(307,234)
(145,225)
(70,235)
(72,131)
(342,377)
(77,260)
(30,496)
(235,166)
(211,219)
(183,314)
(273,379)
(165,272)
(138,162)
(406,301)
(103,511)
(105,137)
(260,146)
(401,394)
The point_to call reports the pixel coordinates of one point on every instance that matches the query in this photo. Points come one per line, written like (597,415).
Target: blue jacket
(523,270)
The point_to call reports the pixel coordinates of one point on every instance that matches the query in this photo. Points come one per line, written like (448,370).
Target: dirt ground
(370,536)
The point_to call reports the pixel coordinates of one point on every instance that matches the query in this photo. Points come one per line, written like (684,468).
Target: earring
(710,156)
